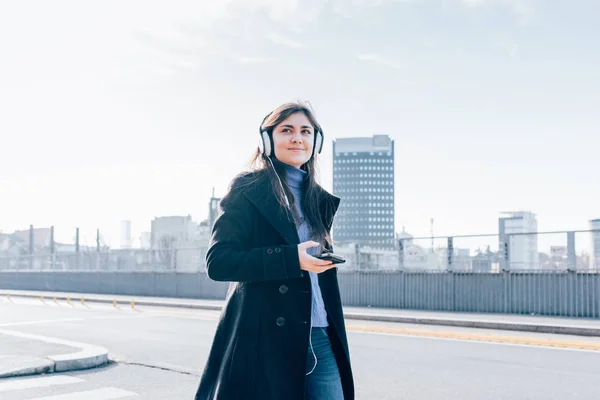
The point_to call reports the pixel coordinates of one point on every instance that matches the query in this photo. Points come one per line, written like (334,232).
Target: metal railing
(474,273)
(492,253)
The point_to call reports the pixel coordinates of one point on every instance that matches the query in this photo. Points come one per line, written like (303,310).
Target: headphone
(267,146)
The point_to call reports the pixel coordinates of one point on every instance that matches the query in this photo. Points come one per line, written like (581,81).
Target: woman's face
(294,140)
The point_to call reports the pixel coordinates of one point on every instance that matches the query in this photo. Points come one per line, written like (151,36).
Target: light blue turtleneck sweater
(295,180)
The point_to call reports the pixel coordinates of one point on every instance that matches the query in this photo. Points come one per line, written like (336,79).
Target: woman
(281,334)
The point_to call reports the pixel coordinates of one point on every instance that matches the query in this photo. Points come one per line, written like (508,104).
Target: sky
(129,110)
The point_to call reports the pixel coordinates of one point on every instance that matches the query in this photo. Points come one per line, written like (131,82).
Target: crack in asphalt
(175,369)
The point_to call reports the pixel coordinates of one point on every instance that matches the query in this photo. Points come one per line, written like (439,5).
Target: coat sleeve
(228,258)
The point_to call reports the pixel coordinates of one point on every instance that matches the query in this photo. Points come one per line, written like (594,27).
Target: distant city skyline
(127,111)
(586,242)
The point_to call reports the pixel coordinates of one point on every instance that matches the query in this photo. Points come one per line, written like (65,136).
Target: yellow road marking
(524,340)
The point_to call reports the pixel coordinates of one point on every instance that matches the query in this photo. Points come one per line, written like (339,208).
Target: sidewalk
(509,322)
(24,354)
(20,356)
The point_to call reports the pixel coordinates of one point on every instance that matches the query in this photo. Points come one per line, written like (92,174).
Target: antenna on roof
(432,234)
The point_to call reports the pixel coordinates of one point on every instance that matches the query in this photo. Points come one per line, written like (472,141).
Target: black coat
(261,344)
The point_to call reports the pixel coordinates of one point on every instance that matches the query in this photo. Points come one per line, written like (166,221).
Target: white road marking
(51,321)
(28,383)
(97,394)
(43,321)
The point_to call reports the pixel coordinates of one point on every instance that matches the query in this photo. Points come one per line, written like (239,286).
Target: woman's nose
(297,138)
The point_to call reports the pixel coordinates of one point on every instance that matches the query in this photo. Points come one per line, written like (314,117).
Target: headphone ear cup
(261,144)
(266,143)
(319,142)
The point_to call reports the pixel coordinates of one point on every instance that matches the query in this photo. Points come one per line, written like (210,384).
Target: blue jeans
(324,382)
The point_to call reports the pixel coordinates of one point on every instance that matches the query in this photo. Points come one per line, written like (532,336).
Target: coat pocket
(243,361)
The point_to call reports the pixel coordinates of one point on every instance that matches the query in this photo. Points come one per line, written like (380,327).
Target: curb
(37,366)
(463,323)
(147,303)
(495,325)
(88,356)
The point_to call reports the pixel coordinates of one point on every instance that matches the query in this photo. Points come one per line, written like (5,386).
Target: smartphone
(331,257)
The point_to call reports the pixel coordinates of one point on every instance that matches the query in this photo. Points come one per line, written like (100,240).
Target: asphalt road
(161,351)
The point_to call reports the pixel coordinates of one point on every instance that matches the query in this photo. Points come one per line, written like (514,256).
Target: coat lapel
(263,198)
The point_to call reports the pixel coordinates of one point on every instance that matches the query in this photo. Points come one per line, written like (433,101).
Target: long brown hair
(313,195)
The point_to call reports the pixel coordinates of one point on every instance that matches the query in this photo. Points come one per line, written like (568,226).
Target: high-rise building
(126,239)
(595,259)
(363,177)
(523,247)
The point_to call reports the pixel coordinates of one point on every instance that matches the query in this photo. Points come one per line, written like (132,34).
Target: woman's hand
(310,263)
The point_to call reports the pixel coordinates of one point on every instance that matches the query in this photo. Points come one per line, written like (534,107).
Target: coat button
(269,251)
(280,321)
(283,289)
(277,250)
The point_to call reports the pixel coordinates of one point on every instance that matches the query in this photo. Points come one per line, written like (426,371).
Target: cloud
(523,9)
(294,14)
(283,40)
(474,3)
(510,46)
(378,59)
(187,33)
(355,8)
(247,59)
(162,70)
